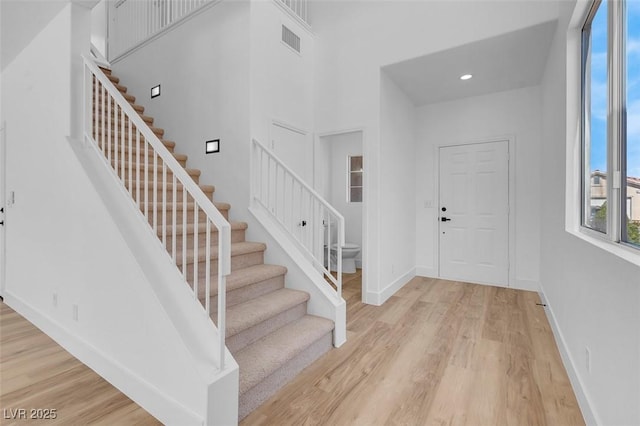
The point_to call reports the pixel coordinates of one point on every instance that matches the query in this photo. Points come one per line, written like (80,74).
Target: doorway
(474,213)
(340,178)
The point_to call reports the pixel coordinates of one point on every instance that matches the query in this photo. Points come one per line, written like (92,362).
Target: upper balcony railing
(132,22)
(299,8)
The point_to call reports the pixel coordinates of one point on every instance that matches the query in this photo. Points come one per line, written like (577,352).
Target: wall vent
(291,39)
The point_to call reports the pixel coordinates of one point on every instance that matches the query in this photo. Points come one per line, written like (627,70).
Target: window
(355,179)
(611,120)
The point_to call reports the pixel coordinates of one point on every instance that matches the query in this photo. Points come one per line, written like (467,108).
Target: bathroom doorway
(340,178)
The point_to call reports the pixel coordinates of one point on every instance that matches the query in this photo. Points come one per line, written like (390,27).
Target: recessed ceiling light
(465,77)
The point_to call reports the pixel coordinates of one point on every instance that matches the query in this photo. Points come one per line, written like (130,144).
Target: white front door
(474,213)
(3,207)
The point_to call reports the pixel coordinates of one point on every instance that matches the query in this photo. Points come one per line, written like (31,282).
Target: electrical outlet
(75,312)
(54,300)
(428,204)
(587,358)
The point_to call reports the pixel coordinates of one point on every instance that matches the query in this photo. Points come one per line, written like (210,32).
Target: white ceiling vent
(291,39)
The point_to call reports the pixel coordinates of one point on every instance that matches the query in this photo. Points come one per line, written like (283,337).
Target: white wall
(354,39)
(99,27)
(397,215)
(516,114)
(339,148)
(64,248)
(21,23)
(281,78)
(593,296)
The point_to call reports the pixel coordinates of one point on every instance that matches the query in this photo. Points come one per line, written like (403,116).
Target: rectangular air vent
(291,39)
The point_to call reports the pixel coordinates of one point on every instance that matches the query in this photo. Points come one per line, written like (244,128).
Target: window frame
(349,173)
(616,180)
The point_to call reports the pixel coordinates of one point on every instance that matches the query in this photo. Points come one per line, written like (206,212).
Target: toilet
(349,253)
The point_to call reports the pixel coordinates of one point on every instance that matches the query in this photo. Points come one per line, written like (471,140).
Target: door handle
(445,219)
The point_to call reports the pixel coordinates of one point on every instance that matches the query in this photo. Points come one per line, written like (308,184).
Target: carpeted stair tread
(120,87)
(179,206)
(145,118)
(134,184)
(260,359)
(134,157)
(149,167)
(255,311)
(237,249)
(202,227)
(138,108)
(244,277)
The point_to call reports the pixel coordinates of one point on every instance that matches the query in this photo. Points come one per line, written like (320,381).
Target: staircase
(268,330)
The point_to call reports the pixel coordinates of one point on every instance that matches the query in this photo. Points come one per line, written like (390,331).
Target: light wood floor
(436,353)
(36,373)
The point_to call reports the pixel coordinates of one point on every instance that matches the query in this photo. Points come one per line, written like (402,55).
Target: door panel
(474,193)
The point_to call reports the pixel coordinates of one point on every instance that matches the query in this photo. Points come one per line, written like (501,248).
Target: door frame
(364,249)
(511,229)
(3,198)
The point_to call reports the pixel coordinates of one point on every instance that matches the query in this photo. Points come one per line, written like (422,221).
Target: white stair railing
(299,8)
(307,218)
(172,203)
(135,21)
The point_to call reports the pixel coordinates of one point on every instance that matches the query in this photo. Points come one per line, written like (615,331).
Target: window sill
(629,254)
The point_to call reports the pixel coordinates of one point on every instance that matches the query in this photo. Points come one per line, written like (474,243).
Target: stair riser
(248,292)
(251,399)
(250,335)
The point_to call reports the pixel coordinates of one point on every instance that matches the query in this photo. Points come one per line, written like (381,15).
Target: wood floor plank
(437,353)
(35,372)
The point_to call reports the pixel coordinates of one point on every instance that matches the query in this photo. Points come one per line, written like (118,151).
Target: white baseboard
(161,406)
(528,285)
(590,416)
(378,298)
(426,271)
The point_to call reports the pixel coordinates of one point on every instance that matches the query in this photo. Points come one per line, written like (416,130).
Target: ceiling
(506,62)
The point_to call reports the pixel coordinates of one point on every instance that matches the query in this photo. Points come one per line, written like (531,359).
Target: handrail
(98,57)
(113,126)
(280,198)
